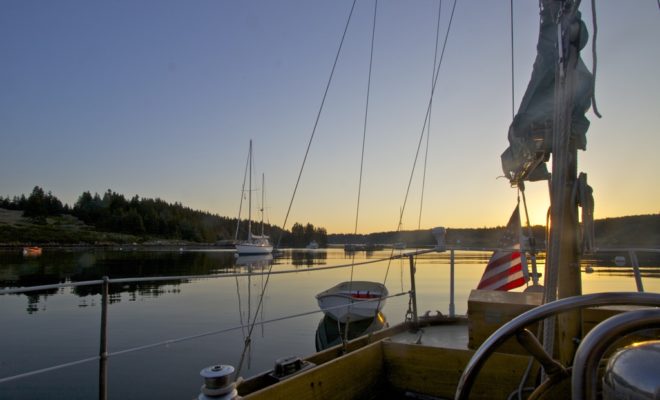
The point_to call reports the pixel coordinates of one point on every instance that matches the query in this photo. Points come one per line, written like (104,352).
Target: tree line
(145,217)
(634,231)
(38,205)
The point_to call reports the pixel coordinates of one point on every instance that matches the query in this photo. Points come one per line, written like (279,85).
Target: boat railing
(634,261)
(208,276)
(106,282)
(104,354)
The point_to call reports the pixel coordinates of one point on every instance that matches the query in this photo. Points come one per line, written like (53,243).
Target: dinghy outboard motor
(218,384)
(632,373)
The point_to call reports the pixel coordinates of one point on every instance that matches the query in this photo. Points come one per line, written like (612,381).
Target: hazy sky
(160,99)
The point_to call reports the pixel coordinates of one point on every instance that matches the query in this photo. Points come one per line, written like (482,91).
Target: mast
(250,195)
(240,207)
(551,121)
(563,252)
(263,190)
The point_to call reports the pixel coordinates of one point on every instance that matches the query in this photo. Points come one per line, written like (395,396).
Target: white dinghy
(355,300)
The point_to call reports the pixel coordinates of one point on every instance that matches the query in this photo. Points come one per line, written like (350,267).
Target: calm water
(42,329)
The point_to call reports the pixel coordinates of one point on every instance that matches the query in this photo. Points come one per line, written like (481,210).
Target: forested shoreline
(47,219)
(635,231)
(113,218)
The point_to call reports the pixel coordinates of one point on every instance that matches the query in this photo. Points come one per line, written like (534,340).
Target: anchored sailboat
(255,244)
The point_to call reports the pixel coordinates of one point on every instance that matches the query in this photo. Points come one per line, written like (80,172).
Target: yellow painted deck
(426,362)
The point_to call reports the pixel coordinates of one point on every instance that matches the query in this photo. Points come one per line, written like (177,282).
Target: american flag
(505,268)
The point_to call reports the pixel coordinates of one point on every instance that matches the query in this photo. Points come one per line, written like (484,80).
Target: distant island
(42,219)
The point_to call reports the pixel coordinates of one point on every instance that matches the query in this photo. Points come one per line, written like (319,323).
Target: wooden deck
(424,362)
(450,336)
(404,362)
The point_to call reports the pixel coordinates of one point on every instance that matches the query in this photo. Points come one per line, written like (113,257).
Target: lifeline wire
(214,276)
(172,341)
(210,333)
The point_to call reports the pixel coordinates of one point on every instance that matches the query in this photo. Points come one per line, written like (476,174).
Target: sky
(160,99)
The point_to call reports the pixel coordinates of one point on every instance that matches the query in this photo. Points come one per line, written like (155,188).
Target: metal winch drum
(218,384)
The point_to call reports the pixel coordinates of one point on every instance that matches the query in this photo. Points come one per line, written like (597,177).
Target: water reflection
(69,265)
(254,262)
(246,312)
(307,258)
(74,265)
(621,259)
(330,331)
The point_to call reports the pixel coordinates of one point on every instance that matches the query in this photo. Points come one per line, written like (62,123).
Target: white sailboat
(255,244)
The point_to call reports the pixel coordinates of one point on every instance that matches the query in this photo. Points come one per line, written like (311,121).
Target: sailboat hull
(253,249)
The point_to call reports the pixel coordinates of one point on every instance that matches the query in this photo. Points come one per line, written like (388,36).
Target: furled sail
(530,133)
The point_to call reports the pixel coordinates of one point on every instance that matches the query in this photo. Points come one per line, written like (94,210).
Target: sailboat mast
(250,195)
(563,252)
(263,190)
(551,121)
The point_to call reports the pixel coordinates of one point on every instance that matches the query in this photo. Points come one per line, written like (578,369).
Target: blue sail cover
(530,133)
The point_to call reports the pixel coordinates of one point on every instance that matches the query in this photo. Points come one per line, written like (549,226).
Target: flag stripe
(505,267)
(506,284)
(503,263)
(506,275)
(513,284)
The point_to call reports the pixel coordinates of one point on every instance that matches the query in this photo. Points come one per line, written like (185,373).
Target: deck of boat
(449,336)
(403,361)
(418,360)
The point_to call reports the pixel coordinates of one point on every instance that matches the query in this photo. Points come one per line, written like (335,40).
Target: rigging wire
(240,207)
(531,239)
(428,130)
(521,189)
(366,113)
(426,120)
(426,150)
(513,92)
(240,307)
(594,57)
(316,122)
(428,110)
(295,189)
(364,139)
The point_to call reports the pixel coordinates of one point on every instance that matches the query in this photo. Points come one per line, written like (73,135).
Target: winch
(218,384)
